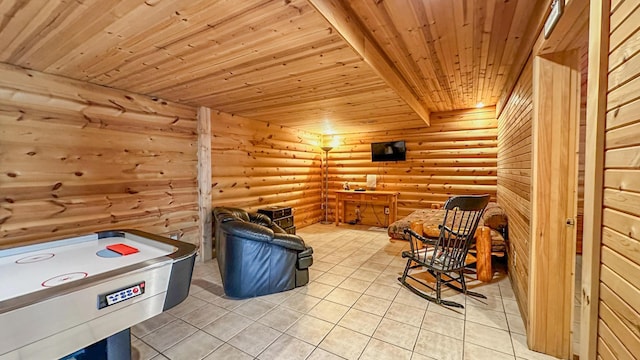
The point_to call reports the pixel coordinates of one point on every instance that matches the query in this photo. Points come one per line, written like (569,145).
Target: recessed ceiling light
(480,105)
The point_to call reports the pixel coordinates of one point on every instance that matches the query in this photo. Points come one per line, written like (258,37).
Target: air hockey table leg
(115,347)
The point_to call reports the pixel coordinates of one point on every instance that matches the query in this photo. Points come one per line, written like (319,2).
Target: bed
(495,218)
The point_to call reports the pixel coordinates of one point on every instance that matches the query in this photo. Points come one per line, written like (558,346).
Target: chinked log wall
(77,158)
(456,155)
(257,164)
(514,179)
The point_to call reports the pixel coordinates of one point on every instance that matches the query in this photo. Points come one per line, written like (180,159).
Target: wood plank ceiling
(277,60)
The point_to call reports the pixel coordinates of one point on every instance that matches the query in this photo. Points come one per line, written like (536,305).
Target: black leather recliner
(256,257)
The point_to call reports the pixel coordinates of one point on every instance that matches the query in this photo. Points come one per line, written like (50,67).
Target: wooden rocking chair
(445,257)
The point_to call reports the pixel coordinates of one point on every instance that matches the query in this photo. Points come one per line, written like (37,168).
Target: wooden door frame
(594,174)
(555,139)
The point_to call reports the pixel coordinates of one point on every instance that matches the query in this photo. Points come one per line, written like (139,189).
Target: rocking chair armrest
(456,234)
(419,237)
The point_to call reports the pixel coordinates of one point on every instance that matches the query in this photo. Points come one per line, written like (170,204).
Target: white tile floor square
(353,308)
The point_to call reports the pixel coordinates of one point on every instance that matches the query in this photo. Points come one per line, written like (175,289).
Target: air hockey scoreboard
(63,296)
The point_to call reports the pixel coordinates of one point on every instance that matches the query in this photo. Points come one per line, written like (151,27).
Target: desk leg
(393,209)
(336,214)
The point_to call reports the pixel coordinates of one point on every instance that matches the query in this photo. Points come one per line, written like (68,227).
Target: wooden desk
(386,198)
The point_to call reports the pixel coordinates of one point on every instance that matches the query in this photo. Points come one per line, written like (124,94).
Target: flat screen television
(388,151)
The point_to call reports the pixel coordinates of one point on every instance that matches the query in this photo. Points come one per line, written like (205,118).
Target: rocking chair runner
(446,255)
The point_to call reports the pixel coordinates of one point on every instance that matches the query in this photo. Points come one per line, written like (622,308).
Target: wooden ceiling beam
(346,24)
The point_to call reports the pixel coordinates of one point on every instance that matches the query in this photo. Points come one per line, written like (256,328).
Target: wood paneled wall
(77,158)
(619,304)
(514,179)
(457,155)
(257,164)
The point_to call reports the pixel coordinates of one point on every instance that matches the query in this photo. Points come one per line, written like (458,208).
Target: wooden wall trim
(594,170)
(204,183)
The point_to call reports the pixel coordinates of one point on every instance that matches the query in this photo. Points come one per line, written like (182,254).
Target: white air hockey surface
(33,268)
(61,296)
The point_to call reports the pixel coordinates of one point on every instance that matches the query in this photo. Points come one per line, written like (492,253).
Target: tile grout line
(388,270)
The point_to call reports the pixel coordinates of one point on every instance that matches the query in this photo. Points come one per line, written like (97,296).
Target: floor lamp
(325,200)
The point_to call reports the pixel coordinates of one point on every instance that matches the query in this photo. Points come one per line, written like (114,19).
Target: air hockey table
(61,297)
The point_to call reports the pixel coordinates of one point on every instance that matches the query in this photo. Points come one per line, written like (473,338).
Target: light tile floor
(352,308)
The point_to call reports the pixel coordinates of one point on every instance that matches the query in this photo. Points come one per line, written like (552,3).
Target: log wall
(619,303)
(457,155)
(257,164)
(77,158)
(514,179)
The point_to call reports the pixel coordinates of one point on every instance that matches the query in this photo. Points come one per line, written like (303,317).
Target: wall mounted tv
(388,151)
